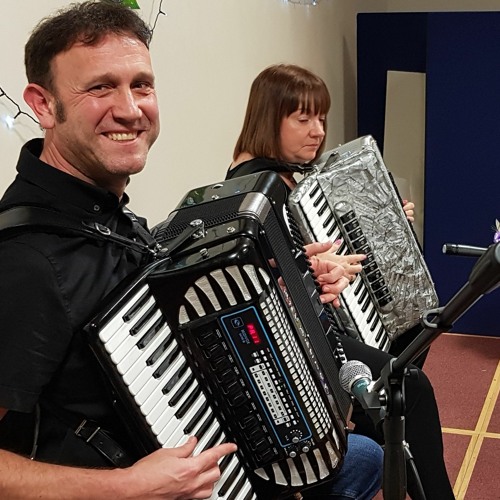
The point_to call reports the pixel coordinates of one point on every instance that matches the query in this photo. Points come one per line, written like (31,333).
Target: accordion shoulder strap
(21,218)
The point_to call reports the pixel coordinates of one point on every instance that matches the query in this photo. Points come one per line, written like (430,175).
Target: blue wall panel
(462,171)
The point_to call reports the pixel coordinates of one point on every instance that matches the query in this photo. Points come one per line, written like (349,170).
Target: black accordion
(351,196)
(225,338)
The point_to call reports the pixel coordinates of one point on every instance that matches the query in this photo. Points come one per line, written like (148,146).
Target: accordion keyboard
(148,359)
(356,299)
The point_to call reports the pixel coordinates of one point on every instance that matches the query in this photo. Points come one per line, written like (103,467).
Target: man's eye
(144,85)
(99,87)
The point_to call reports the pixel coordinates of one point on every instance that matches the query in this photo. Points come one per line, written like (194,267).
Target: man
(92,90)
(91,85)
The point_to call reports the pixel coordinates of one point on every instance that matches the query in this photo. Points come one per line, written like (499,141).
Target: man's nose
(126,106)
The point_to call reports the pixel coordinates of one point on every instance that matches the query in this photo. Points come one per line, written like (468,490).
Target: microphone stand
(484,277)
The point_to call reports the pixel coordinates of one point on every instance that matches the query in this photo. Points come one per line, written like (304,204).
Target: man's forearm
(21,478)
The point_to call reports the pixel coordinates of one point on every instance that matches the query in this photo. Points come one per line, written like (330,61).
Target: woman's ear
(42,102)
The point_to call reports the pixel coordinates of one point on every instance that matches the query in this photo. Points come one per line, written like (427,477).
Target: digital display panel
(253,333)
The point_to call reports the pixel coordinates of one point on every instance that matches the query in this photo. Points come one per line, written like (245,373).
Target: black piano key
(237,487)
(213,440)
(224,463)
(196,418)
(318,200)
(229,481)
(145,318)
(181,390)
(322,209)
(375,323)
(362,296)
(359,287)
(370,315)
(205,426)
(315,190)
(385,344)
(379,333)
(331,230)
(366,303)
(174,379)
(188,403)
(135,307)
(151,333)
(166,362)
(327,221)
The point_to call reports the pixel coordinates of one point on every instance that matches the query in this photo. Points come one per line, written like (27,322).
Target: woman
(283,131)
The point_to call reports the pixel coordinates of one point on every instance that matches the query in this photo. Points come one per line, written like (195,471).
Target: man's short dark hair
(87,22)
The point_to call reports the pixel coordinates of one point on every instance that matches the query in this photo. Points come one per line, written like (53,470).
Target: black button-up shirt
(50,286)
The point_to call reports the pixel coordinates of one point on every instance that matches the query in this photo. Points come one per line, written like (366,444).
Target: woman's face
(301,135)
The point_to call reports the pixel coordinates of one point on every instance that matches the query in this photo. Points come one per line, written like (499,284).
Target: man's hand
(175,474)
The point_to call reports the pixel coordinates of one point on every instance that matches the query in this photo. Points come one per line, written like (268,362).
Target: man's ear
(42,102)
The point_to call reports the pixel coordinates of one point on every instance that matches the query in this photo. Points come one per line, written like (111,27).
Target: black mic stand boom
(484,277)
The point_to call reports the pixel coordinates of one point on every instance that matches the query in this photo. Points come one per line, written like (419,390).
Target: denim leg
(360,477)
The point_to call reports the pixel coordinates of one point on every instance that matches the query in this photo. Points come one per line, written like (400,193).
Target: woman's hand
(330,275)
(351,263)
(408,207)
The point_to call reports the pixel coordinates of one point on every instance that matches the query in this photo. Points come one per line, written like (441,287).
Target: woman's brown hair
(277,92)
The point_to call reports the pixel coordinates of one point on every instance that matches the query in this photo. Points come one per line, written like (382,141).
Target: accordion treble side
(351,196)
(232,344)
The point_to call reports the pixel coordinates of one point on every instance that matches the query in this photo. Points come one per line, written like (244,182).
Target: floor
(465,372)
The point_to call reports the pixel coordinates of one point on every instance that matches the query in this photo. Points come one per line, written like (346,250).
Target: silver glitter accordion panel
(351,196)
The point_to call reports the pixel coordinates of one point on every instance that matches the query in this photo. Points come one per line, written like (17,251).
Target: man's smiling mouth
(122,136)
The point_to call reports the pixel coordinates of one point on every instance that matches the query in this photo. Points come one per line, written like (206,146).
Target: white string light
(304,2)
(9,120)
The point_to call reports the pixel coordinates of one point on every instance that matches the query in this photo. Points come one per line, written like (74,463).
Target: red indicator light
(253,333)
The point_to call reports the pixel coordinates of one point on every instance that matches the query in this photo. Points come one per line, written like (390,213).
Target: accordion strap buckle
(87,432)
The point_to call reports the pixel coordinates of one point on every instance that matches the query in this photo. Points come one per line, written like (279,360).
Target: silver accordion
(226,339)
(351,196)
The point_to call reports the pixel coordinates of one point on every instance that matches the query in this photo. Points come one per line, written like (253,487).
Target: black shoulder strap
(33,218)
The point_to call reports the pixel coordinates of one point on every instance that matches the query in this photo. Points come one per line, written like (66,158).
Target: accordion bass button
(226,375)
(238,399)
(220,364)
(214,351)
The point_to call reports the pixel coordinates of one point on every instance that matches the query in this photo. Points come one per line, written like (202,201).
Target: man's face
(301,135)
(106,111)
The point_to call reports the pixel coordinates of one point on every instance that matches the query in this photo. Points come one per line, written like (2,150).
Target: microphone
(355,378)
(463,250)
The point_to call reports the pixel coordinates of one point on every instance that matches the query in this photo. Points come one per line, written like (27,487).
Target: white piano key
(124,327)
(230,468)
(130,341)
(135,362)
(202,443)
(115,323)
(173,434)
(157,413)
(149,383)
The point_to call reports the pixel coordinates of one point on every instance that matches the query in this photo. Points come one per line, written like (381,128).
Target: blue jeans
(360,477)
